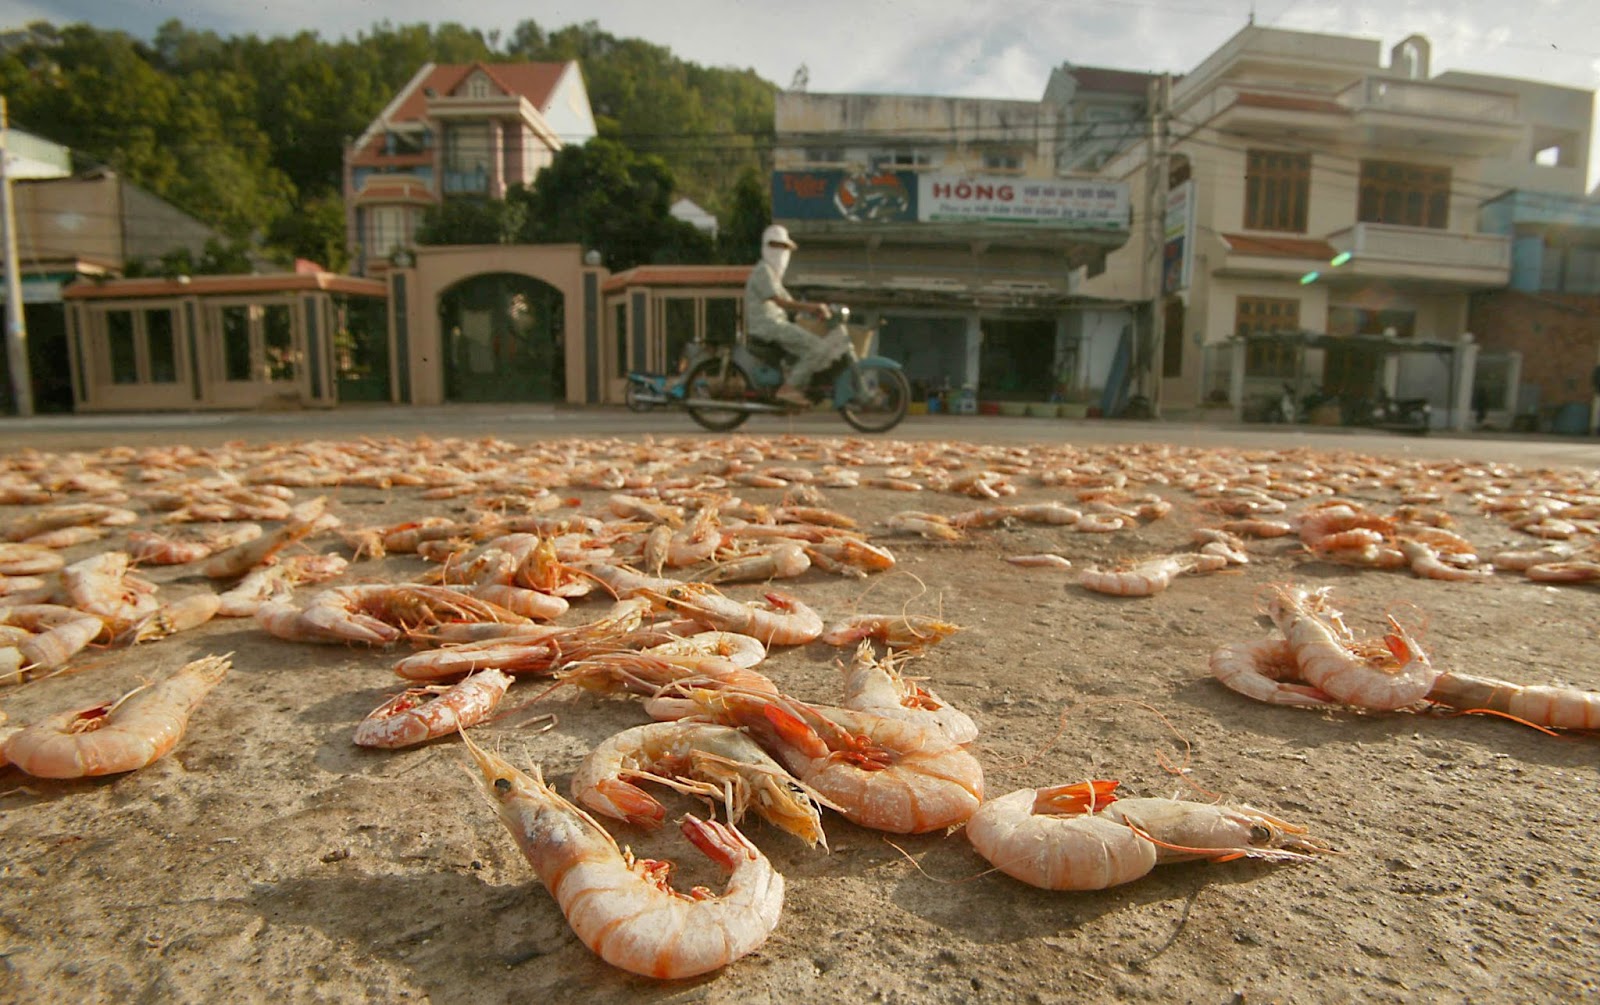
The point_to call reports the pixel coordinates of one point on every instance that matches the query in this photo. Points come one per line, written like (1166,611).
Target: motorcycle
(648,391)
(870,392)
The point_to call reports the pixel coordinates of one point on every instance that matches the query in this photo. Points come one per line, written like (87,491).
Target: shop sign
(1038,202)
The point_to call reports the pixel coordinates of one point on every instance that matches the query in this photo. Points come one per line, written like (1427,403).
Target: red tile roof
(1280,247)
(679,275)
(533,81)
(1291,103)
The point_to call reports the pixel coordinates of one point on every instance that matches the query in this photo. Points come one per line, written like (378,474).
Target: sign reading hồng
(1040,202)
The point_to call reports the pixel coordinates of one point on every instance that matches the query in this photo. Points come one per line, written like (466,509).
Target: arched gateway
(503,338)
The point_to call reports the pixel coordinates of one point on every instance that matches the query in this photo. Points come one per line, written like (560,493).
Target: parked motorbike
(648,391)
(1403,415)
(869,391)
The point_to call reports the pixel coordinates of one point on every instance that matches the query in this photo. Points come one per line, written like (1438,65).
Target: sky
(945,47)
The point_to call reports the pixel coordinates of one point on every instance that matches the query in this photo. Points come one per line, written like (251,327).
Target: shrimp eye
(502,784)
(1260,835)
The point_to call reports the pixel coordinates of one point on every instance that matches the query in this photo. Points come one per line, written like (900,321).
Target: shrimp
(902,631)
(646,673)
(378,613)
(179,616)
(424,713)
(1053,839)
(1098,523)
(270,583)
(744,650)
(1145,579)
(1258,527)
(888,774)
(1425,562)
(101,585)
(242,557)
(17,559)
(1264,670)
(123,735)
(850,556)
(62,632)
(622,908)
(785,621)
(1041,561)
(625,581)
(931,526)
(1182,830)
(156,549)
(696,758)
(1564,572)
(1379,676)
(1551,707)
(876,685)
(783,561)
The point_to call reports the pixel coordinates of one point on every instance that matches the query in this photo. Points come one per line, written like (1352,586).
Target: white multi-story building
(1319,222)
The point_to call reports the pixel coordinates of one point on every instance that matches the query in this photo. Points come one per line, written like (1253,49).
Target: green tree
(606,197)
(469,220)
(749,213)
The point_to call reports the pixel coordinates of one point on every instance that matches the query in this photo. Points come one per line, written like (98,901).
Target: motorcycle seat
(770,353)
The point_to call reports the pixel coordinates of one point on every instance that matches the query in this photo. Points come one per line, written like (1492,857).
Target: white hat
(777,234)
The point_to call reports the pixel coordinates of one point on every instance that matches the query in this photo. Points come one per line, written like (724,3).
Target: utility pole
(1152,273)
(16,328)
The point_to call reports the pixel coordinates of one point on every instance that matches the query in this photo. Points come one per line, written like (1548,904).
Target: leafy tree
(607,197)
(469,220)
(749,213)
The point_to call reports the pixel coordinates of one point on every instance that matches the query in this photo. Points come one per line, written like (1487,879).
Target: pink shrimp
(1380,676)
(1145,579)
(1551,707)
(419,714)
(1264,670)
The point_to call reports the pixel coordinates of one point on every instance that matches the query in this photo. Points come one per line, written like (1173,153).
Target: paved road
(529,422)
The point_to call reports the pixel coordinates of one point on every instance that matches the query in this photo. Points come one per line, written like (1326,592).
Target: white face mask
(778,258)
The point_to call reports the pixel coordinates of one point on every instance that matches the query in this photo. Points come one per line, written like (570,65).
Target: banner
(1039,202)
(1177,252)
(862,197)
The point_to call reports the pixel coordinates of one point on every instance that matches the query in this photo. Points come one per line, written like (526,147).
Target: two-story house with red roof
(456,130)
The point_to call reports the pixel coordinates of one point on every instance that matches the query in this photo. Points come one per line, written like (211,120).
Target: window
(277,342)
(1002,162)
(258,342)
(905,159)
(1408,195)
(236,343)
(621,337)
(388,229)
(1261,316)
(124,354)
(141,346)
(824,155)
(478,86)
(161,349)
(678,330)
(1277,188)
(466,159)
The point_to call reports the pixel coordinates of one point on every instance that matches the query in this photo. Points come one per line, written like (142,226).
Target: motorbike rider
(767,306)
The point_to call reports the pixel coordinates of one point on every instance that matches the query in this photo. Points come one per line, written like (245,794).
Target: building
(89,224)
(1315,218)
(305,339)
(951,221)
(469,130)
(694,215)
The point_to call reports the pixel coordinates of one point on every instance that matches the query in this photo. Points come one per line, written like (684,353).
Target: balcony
(1419,114)
(1441,259)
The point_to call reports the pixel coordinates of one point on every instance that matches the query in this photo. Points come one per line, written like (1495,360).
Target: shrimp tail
(635,805)
(718,841)
(795,731)
(1076,798)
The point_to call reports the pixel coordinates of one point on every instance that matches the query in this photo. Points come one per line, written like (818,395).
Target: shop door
(1017,361)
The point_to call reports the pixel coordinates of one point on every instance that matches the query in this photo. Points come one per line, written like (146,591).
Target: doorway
(503,336)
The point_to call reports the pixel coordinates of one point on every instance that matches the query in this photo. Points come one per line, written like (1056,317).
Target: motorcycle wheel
(706,380)
(885,395)
(634,402)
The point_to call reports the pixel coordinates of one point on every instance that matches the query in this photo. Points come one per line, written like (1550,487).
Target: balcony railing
(1422,246)
(1417,97)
